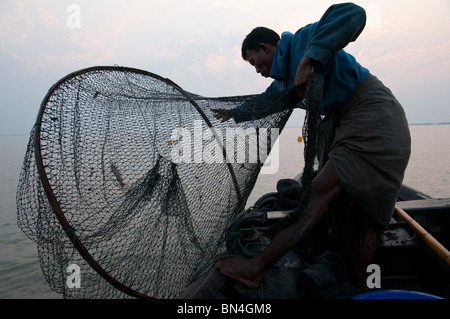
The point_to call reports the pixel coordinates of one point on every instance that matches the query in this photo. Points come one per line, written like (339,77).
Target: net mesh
(132,181)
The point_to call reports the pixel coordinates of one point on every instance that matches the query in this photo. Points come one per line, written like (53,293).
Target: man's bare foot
(241,270)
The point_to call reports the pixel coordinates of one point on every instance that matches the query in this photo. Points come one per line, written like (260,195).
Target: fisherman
(365,145)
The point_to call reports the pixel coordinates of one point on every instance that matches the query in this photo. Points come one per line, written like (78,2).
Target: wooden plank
(408,193)
(426,206)
(414,207)
(277,214)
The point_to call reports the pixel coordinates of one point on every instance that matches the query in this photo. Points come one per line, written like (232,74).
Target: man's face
(261,59)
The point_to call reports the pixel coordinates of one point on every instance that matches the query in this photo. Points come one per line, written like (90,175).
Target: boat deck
(405,261)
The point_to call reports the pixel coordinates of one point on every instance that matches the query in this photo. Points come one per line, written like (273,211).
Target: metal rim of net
(57,210)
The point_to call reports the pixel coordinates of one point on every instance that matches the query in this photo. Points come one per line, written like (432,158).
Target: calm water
(20,273)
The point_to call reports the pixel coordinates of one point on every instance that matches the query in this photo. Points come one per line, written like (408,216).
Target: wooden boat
(405,262)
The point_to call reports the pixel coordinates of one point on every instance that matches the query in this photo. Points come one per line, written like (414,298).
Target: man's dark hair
(257,36)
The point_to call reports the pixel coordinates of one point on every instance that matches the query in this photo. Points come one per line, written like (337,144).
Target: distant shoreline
(443,123)
(415,124)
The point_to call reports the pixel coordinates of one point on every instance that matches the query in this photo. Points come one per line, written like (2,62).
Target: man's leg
(325,188)
(362,253)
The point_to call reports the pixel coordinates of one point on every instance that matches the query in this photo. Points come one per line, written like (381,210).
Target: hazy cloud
(197,45)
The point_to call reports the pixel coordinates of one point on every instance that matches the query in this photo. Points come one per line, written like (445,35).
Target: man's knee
(325,185)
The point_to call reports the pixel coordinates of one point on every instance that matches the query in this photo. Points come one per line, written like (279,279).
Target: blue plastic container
(395,294)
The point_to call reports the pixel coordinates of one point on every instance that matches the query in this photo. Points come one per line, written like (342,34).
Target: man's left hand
(304,71)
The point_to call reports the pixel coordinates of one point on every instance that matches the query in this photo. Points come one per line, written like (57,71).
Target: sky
(196,44)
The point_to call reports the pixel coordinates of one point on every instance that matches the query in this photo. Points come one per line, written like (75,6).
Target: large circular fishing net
(129,183)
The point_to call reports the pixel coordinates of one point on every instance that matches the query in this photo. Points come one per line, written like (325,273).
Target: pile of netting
(129,182)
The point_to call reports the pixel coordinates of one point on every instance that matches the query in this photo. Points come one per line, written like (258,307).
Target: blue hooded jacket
(323,42)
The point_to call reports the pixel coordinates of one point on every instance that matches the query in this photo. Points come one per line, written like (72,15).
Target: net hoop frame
(47,187)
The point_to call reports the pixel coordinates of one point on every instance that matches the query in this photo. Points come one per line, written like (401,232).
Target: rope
(311,127)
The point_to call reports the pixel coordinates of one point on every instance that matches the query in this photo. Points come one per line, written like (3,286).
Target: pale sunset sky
(196,44)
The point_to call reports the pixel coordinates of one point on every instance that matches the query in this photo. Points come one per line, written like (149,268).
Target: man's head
(259,48)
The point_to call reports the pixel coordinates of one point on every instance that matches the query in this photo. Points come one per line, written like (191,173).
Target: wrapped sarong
(369,144)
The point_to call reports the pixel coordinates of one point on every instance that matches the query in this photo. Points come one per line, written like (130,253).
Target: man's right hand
(222,114)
